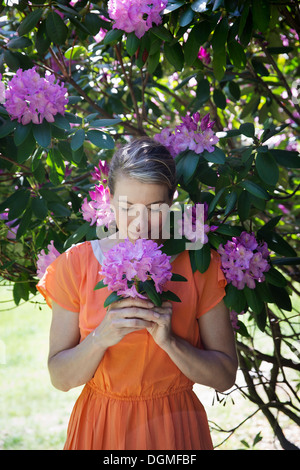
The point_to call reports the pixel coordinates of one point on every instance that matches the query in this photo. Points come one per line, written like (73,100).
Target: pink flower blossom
(244,260)
(30,97)
(127,264)
(101,169)
(98,210)
(189,227)
(44,260)
(191,134)
(204,56)
(136,15)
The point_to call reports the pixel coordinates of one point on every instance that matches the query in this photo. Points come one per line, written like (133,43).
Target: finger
(135,312)
(133,323)
(132,302)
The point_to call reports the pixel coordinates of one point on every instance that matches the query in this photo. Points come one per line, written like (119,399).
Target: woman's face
(141,209)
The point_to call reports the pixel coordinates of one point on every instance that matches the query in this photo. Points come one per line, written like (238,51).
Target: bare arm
(216,365)
(72,363)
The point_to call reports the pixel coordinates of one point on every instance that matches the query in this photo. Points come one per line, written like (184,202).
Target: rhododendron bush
(218,84)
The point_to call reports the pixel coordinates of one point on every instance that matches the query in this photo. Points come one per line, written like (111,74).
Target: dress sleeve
(210,285)
(61,282)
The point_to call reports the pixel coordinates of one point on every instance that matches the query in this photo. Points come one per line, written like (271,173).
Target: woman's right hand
(123,317)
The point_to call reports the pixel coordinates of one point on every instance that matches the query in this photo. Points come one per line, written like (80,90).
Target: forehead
(138,192)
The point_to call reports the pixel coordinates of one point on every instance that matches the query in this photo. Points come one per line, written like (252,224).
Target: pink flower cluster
(128,263)
(244,261)
(30,97)
(100,170)
(204,56)
(191,134)
(188,225)
(45,259)
(136,15)
(98,210)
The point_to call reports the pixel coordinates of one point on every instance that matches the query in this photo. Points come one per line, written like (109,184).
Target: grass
(34,415)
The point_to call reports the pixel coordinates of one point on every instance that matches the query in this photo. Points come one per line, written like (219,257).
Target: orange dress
(138,398)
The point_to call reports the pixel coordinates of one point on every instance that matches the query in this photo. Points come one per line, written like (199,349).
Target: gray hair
(145,160)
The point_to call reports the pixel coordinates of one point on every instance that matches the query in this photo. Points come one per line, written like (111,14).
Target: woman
(139,362)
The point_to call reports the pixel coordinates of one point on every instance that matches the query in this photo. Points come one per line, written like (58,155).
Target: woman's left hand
(161,331)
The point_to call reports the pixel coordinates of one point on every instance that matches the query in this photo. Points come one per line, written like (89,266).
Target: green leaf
(16,203)
(42,133)
(237,54)
(286,261)
(105,122)
(173,246)
(100,139)
(56,28)
(39,207)
(77,235)
(29,22)
(186,17)
(219,64)
(132,43)
(230,202)
(20,291)
(274,277)
(203,90)
(174,55)
(173,5)
(93,23)
(187,166)
(61,122)
(178,278)
(261,14)
(24,223)
(113,297)
(286,158)
(215,200)
(247,129)
(255,189)
(100,285)
(217,156)
(219,98)
(267,168)
(75,52)
(229,230)
(220,36)
(168,295)
(276,243)
(253,300)
(42,42)
(77,139)
(7,127)
(235,298)
(19,43)
(162,33)
(198,35)
(113,36)
(244,204)
(281,297)
(151,292)
(27,148)
(202,258)
(21,133)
